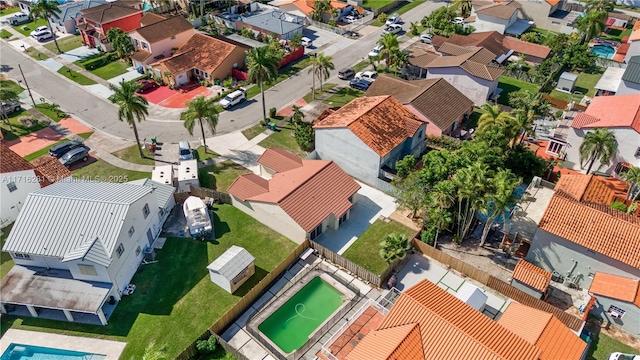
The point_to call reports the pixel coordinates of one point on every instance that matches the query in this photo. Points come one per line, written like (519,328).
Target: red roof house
(95,22)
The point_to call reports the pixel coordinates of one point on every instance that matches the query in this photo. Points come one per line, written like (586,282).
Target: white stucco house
(539,12)
(620,114)
(76,246)
(232,269)
(368,136)
(158,38)
(19,178)
(297,198)
(630,81)
(504,17)
(617,300)
(633,43)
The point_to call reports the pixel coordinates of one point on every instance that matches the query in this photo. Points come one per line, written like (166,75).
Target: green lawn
(103,171)
(6,262)
(17,129)
(175,301)
(26,29)
(283,138)
(253,91)
(325,87)
(41,152)
(509,85)
(365,250)
(361,66)
(410,6)
(52,114)
(201,155)
(77,77)
(111,70)
(616,35)
(376,4)
(220,176)
(36,54)
(603,345)
(4,34)
(343,97)
(253,131)
(11,85)
(132,155)
(66,44)
(585,84)
(10,10)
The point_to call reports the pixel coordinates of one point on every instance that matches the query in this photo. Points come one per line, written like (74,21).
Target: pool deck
(112,349)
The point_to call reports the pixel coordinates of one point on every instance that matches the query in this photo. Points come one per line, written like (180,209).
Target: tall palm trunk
(54,36)
(204,142)
(264,104)
(135,133)
(593,158)
(486,229)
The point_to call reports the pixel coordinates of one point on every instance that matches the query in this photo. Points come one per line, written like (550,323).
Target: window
(131,231)
(240,276)
(145,210)
(145,45)
(615,312)
(206,75)
(315,232)
(554,148)
(12,186)
(22,256)
(622,168)
(197,71)
(138,250)
(136,42)
(120,249)
(638,152)
(343,218)
(87,270)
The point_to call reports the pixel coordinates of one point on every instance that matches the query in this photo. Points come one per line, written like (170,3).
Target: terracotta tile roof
(595,227)
(636,26)
(112,11)
(532,275)
(553,2)
(526,48)
(449,328)
(610,111)
(390,343)
(616,287)
(381,122)
(473,62)
(140,55)
(490,40)
(319,182)
(164,29)
(437,100)
(279,160)
(150,18)
(421,58)
(635,35)
(201,51)
(306,6)
(11,161)
(502,10)
(543,330)
(51,168)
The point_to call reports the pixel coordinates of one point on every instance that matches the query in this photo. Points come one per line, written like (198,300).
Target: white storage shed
(187,175)
(232,269)
(473,296)
(567,82)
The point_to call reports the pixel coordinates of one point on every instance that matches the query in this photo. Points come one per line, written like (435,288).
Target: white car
(426,38)
(234,98)
(621,356)
(306,42)
(41,33)
(457,21)
(349,19)
(376,51)
(394,19)
(392,29)
(366,75)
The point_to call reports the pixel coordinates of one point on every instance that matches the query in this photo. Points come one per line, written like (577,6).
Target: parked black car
(346,73)
(74,156)
(361,84)
(63,148)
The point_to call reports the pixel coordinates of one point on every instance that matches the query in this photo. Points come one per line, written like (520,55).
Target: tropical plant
(168,75)
(499,200)
(413,28)
(263,66)
(383,17)
(531,36)
(121,42)
(321,64)
(131,106)
(320,8)
(389,43)
(600,5)
(304,135)
(442,198)
(464,6)
(632,177)
(600,145)
(394,246)
(400,58)
(207,346)
(46,9)
(492,115)
(592,24)
(297,116)
(204,111)
(295,41)
(471,185)
(409,193)
(405,166)
(617,205)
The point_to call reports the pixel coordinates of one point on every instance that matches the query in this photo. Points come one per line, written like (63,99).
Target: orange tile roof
(319,182)
(591,188)
(596,227)
(381,122)
(543,330)
(636,26)
(51,168)
(552,2)
(610,111)
(391,342)
(635,35)
(616,287)
(526,48)
(12,162)
(532,275)
(306,6)
(279,160)
(500,10)
(449,328)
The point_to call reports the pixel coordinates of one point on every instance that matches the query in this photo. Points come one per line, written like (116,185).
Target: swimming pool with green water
(289,327)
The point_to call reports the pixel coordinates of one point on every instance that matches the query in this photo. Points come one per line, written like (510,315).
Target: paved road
(102,115)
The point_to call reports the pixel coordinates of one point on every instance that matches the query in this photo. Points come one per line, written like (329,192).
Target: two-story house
(433,100)
(66,21)
(95,22)
(539,12)
(633,43)
(502,17)
(368,136)
(76,246)
(158,38)
(620,81)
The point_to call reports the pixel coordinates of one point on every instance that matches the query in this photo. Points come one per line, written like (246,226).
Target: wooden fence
(496,284)
(219,197)
(562,104)
(191,350)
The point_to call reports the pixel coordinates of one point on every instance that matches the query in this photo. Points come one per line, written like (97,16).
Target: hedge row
(98,60)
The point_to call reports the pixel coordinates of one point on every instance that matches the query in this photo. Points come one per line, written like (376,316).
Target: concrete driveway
(325,41)
(370,206)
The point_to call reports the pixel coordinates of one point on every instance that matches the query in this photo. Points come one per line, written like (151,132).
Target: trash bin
(153,140)
(216,81)
(272,126)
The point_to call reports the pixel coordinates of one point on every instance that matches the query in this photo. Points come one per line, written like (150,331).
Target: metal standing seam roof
(272,21)
(163,192)
(71,10)
(91,250)
(632,72)
(532,275)
(58,219)
(569,76)
(616,287)
(232,262)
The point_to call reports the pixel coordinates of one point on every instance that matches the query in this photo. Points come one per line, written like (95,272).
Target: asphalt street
(102,115)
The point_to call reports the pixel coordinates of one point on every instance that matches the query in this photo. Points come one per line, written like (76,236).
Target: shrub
(332,23)
(98,60)
(405,166)
(228,82)
(207,346)
(272,112)
(304,135)
(383,18)
(616,205)
(443,142)
(428,235)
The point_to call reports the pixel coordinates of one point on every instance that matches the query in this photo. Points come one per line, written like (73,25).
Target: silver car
(185,150)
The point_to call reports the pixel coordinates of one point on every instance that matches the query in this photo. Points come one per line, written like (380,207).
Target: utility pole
(313,77)
(27,84)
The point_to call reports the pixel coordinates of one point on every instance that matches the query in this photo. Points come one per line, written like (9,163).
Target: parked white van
(233,99)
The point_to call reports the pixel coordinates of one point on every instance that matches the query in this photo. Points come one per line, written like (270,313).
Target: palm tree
(632,176)
(500,199)
(464,6)
(492,115)
(400,58)
(389,43)
(522,124)
(442,197)
(263,66)
(204,111)
(471,185)
(600,5)
(592,25)
(394,246)
(599,145)
(321,66)
(131,106)
(44,9)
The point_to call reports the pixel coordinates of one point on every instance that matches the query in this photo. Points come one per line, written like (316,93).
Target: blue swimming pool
(28,352)
(603,51)
(518,193)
